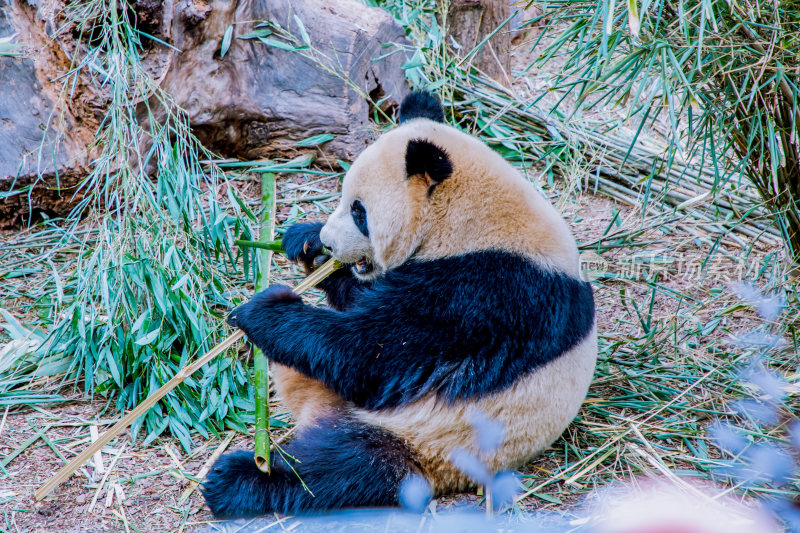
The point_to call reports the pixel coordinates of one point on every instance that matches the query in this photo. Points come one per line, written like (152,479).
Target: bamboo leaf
(181,282)
(7,48)
(302,29)
(261,32)
(316,140)
(608,28)
(633,19)
(226,41)
(148,338)
(269,41)
(14,327)
(416,61)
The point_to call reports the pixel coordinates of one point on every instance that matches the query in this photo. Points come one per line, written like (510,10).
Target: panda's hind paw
(235,488)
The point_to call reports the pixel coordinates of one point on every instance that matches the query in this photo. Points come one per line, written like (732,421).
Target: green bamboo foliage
(147,290)
(725,75)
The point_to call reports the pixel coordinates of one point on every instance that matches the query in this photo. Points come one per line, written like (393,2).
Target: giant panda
(462,294)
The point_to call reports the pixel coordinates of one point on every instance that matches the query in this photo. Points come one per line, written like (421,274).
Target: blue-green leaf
(226,41)
(148,338)
(316,140)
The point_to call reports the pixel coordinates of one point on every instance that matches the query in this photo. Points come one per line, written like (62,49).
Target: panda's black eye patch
(359,214)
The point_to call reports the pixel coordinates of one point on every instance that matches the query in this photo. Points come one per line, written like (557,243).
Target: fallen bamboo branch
(206,467)
(318,275)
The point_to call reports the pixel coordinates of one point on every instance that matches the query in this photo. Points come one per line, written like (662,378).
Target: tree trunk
(470,21)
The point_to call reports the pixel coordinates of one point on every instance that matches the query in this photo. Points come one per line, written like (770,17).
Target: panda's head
(382,218)
(426,190)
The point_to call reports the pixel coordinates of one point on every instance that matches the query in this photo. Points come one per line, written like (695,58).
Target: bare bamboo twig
(105,477)
(318,275)
(206,467)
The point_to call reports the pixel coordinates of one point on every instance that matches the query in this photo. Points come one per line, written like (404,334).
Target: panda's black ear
(428,161)
(420,104)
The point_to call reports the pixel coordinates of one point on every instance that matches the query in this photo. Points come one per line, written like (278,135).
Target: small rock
(46,510)
(81,499)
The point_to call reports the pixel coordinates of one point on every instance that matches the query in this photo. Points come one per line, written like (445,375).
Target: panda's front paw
(257,309)
(302,244)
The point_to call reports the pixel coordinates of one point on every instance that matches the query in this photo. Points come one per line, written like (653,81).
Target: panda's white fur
(485,204)
(471,201)
(534,412)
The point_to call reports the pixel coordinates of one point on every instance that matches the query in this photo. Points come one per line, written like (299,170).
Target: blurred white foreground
(654,507)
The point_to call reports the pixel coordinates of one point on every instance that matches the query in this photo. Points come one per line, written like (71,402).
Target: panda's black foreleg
(343,462)
(341,288)
(302,244)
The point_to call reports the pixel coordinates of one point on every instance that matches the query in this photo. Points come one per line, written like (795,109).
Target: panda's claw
(302,243)
(320,260)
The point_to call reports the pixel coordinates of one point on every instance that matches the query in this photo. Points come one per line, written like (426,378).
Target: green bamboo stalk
(273,246)
(260,364)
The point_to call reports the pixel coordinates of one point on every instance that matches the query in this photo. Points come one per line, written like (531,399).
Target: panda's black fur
(432,327)
(420,104)
(459,328)
(343,463)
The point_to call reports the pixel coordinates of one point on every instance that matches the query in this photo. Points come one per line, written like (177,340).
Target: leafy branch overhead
(725,74)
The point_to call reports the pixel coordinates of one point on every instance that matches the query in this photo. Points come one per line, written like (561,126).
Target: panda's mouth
(363,267)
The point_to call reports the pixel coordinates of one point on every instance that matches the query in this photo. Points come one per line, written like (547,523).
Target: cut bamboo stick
(206,467)
(274,246)
(318,275)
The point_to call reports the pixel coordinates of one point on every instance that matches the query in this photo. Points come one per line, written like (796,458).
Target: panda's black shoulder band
(459,327)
